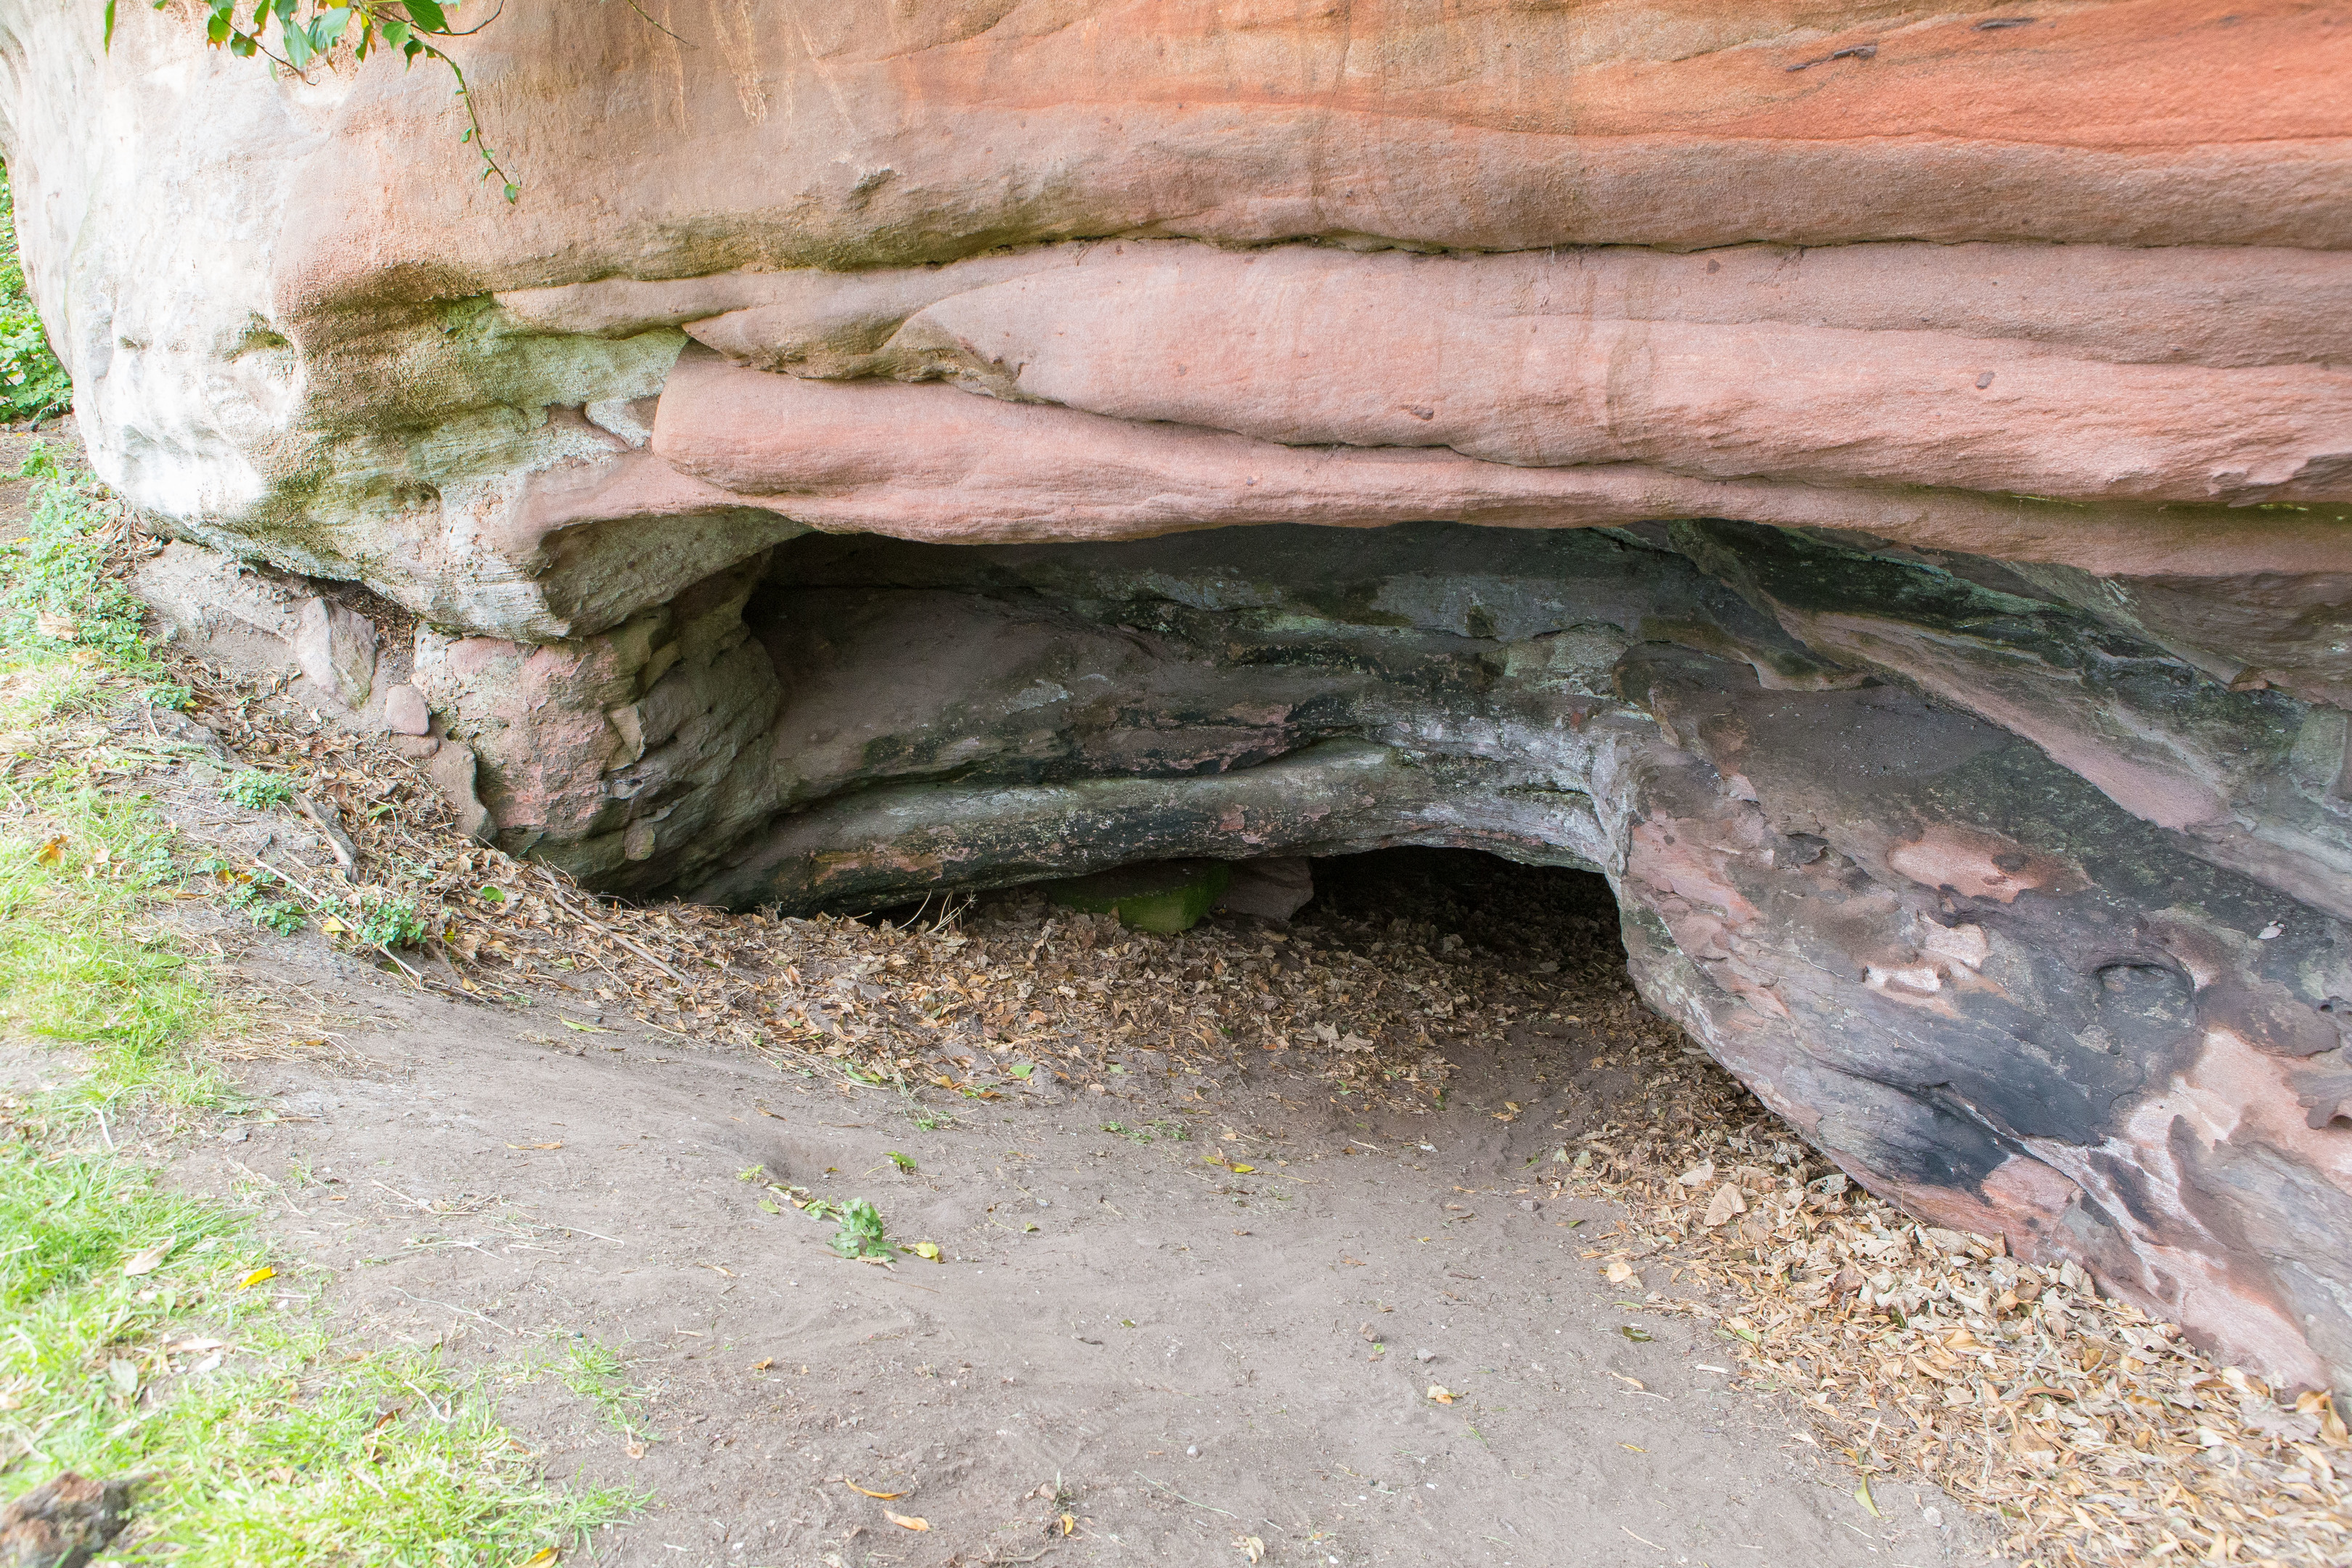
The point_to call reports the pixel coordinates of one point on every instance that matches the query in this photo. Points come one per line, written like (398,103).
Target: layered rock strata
(1876,480)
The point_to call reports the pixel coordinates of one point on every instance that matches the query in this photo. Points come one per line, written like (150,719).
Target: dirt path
(1198,1355)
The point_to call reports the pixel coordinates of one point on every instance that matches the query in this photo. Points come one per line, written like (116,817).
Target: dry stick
(1180,1497)
(593,922)
(346,853)
(466,1310)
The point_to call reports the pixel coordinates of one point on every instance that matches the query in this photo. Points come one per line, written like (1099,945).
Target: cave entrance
(1404,968)
(1496,965)
(1548,920)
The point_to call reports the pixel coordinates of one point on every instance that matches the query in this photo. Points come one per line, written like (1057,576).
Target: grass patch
(260,1443)
(82,961)
(145,1332)
(596,1372)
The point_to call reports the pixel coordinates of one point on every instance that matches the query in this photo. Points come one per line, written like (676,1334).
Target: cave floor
(1126,1352)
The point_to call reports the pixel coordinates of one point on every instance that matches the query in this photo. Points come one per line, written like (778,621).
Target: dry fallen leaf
(1238,1168)
(853,1486)
(257,1276)
(147,1259)
(557,1145)
(1727,1203)
(53,851)
(1250,1547)
(1699,1175)
(906,1521)
(1441,1395)
(763,1364)
(540,1558)
(929,1250)
(1618,1272)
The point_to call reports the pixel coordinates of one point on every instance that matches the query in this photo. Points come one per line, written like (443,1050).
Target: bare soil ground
(1126,1352)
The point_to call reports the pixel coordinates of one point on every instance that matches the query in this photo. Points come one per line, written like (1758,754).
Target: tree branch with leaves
(308,31)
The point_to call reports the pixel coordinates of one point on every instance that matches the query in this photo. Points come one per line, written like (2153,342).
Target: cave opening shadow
(1523,968)
(1477,908)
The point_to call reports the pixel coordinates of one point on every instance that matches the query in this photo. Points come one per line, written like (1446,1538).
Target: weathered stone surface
(1273,888)
(1876,480)
(335,646)
(452,770)
(404,712)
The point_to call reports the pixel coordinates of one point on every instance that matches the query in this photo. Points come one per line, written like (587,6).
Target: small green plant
(904,1162)
(254,896)
(860,1234)
(255,790)
(283,916)
(391,922)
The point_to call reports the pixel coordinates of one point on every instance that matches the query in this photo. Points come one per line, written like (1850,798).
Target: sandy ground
(1178,1355)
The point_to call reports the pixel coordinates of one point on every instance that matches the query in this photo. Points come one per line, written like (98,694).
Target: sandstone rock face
(1874,479)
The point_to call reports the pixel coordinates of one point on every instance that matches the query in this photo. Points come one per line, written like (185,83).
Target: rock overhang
(1874,484)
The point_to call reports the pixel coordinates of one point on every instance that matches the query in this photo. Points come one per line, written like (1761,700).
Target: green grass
(82,962)
(596,1373)
(263,1440)
(261,1443)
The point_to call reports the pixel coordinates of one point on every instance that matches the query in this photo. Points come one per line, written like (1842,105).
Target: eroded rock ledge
(1877,482)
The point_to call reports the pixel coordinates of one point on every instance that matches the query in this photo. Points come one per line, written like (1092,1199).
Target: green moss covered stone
(1158,896)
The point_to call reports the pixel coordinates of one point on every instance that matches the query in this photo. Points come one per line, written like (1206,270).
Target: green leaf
(109,23)
(427,16)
